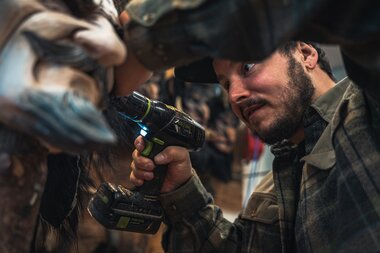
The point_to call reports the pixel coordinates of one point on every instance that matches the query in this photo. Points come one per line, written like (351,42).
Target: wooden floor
(228,196)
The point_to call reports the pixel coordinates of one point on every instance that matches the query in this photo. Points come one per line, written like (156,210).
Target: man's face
(270,96)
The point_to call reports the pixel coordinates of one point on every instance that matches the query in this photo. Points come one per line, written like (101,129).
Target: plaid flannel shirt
(331,205)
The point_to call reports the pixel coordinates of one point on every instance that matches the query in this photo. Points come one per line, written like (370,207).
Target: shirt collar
(326,104)
(322,154)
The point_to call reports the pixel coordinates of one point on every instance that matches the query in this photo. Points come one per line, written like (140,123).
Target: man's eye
(247,67)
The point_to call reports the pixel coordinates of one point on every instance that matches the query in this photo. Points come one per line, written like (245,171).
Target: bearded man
(321,194)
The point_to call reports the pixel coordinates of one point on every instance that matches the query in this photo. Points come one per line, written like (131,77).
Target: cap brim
(200,71)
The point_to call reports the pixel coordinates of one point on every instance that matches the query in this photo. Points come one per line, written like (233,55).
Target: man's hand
(177,159)
(131,73)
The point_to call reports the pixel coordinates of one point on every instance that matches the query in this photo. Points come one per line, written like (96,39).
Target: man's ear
(309,55)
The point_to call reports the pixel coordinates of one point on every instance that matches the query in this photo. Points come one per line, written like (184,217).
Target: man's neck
(322,84)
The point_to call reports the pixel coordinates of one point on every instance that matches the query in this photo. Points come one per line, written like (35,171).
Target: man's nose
(238,90)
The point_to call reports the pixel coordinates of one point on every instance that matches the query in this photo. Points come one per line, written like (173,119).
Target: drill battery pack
(116,207)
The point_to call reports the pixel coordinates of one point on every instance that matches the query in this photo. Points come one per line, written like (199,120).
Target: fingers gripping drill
(138,210)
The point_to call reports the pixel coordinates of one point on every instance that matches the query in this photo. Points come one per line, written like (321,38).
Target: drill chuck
(134,106)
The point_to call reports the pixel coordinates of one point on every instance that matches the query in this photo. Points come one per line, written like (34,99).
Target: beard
(297,97)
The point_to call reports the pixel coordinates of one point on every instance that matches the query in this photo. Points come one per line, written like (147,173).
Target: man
(323,193)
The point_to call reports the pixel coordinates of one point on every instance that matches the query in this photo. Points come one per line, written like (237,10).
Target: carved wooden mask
(53,84)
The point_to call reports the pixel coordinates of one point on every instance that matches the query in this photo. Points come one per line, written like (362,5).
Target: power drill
(138,209)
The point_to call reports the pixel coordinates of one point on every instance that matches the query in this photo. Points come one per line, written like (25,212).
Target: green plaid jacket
(332,206)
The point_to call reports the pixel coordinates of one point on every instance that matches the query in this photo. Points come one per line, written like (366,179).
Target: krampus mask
(55,61)
(52,81)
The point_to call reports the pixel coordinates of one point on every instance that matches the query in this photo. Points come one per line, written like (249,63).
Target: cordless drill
(138,209)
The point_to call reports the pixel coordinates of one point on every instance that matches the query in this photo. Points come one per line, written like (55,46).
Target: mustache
(247,105)
(248,102)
